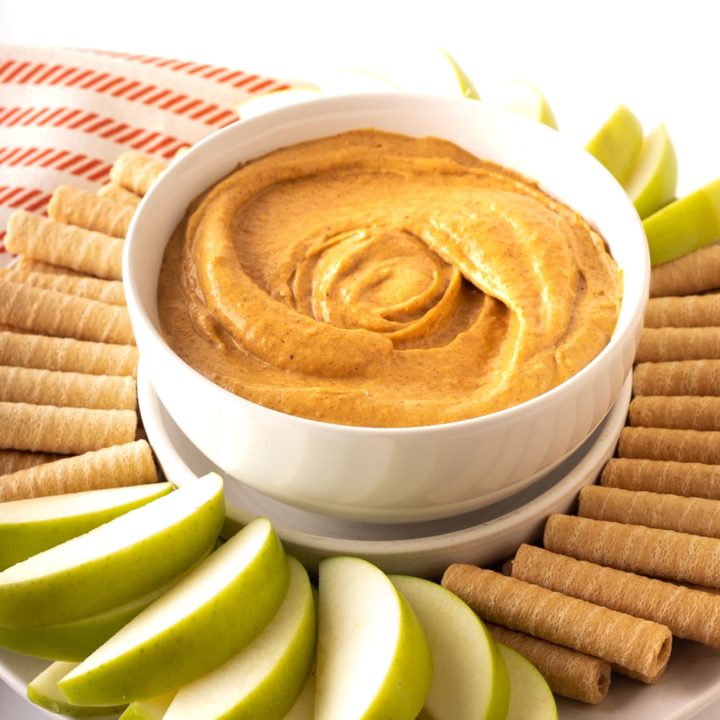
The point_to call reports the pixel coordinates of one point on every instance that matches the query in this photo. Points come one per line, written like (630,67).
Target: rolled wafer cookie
(13,460)
(697,446)
(66,389)
(663,344)
(700,588)
(689,614)
(84,209)
(136,172)
(52,353)
(665,554)
(698,516)
(64,245)
(116,192)
(115,466)
(685,377)
(640,646)
(107,291)
(696,272)
(688,311)
(683,412)
(663,476)
(27,264)
(567,672)
(49,312)
(69,431)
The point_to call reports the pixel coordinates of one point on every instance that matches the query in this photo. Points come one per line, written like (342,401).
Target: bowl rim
(498,419)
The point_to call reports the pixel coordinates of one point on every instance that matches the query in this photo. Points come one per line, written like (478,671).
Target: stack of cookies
(68,361)
(640,562)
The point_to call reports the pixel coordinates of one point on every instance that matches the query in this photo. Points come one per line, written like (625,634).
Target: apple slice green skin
(117,562)
(304,706)
(617,143)
(374,660)
(44,692)
(684,225)
(470,681)
(28,527)
(653,181)
(265,678)
(74,641)
(200,624)
(152,709)
(530,695)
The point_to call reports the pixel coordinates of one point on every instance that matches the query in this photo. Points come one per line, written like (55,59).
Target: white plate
(690,684)
(17,671)
(483,537)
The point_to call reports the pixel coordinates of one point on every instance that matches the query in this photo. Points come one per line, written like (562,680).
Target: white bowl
(482,537)
(389,474)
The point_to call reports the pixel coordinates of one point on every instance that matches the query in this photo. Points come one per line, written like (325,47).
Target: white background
(662,59)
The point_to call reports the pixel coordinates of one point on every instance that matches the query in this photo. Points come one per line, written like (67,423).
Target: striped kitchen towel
(66,115)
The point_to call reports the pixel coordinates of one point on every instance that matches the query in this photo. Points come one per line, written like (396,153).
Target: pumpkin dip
(379,280)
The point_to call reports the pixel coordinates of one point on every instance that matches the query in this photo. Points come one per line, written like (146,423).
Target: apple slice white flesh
(373,657)
(469,680)
(152,709)
(684,225)
(530,695)
(617,143)
(266,677)
(28,527)
(653,180)
(524,98)
(116,562)
(44,691)
(194,628)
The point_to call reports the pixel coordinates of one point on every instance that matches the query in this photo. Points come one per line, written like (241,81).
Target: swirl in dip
(380,280)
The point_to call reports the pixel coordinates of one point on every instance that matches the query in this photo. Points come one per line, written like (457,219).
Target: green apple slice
(304,707)
(265,678)
(373,657)
(116,562)
(74,641)
(466,85)
(684,225)
(197,626)
(617,143)
(530,695)
(469,680)
(28,527)
(44,691)
(524,98)
(653,180)
(152,709)
(425,69)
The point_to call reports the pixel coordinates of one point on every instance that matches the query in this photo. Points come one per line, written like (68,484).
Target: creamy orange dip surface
(380,280)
